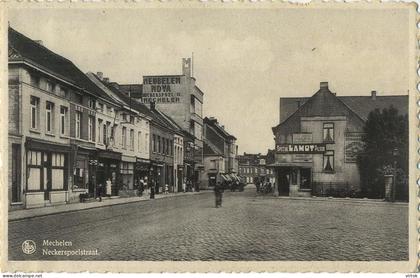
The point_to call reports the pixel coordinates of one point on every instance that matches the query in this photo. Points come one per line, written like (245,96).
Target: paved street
(247,227)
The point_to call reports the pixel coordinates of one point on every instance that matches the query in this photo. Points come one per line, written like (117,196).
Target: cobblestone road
(247,227)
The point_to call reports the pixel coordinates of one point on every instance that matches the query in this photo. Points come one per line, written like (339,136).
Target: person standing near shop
(218,192)
(108,187)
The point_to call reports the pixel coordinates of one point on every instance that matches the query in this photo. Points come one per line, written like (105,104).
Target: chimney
(373,95)
(152,105)
(40,42)
(106,79)
(323,85)
(186,67)
(100,75)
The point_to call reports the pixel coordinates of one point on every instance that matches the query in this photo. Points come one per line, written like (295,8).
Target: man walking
(218,191)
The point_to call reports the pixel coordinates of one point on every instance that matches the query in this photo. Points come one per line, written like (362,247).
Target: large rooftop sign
(300,148)
(162,89)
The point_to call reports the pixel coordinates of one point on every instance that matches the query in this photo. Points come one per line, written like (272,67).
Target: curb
(104,205)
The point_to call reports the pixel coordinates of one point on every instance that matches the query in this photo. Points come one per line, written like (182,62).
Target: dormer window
(49,86)
(328,132)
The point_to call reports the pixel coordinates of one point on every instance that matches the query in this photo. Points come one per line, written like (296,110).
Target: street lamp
(394,155)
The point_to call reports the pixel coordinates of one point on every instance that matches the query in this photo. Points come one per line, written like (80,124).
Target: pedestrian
(141,187)
(218,192)
(152,189)
(166,188)
(108,187)
(99,192)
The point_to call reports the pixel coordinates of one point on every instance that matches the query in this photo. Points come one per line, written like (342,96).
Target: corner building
(181,99)
(318,140)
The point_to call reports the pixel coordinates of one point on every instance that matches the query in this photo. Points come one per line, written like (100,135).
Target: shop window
(34,164)
(328,132)
(81,175)
(328,161)
(49,117)
(63,120)
(34,112)
(294,176)
(57,171)
(305,178)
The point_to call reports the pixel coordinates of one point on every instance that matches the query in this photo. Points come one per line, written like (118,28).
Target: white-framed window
(78,124)
(328,132)
(328,161)
(91,128)
(132,139)
(49,117)
(92,103)
(124,137)
(34,112)
(99,130)
(63,120)
(105,134)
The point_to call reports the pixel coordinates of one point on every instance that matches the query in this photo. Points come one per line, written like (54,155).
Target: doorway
(283,180)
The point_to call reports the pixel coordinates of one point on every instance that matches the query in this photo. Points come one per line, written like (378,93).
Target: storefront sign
(300,148)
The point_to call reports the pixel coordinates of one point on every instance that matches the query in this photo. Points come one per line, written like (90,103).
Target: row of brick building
(70,131)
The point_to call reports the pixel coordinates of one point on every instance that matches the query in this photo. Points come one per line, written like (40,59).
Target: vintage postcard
(208,137)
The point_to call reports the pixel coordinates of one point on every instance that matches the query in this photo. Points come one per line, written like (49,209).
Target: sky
(244,59)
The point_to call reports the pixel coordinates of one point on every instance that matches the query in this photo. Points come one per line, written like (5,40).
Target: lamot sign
(300,148)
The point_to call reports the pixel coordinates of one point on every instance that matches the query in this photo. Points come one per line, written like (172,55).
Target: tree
(383,132)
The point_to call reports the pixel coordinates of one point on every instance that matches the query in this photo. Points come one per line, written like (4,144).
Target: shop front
(108,172)
(157,175)
(180,178)
(83,172)
(47,169)
(141,171)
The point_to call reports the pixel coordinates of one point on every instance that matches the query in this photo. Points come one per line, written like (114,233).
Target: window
(163,145)
(34,112)
(124,137)
(146,142)
(49,86)
(78,98)
(91,128)
(100,107)
(35,80)
(328,161)
(92,103)
(158,142)
(105,134)
(63,120)
(99,130)
(62,92)
(139,141)
(154,143)
(34,163)
(171,147)
(49,113)
(132,139)
(78,124)
(131,120)
(328,132)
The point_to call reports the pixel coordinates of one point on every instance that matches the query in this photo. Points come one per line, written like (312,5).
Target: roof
(221,130)
(136,90)
(30,51)
(209,149)
(361,105)
(169,121)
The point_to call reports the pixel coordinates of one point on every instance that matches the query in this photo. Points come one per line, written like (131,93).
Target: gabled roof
(361,105)
(23,49)
(210,149)
(212,122)
(325,103)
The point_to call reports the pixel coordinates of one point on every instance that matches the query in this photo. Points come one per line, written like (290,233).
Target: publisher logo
(28,247)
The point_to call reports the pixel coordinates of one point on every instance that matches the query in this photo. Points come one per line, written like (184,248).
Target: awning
(290,164)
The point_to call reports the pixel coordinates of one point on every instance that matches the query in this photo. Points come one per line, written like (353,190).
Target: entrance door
(16,173)
(305,178)
(283,180)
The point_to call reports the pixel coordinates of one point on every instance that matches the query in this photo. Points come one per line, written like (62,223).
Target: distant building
(220,152)
(253,166)
(318,140)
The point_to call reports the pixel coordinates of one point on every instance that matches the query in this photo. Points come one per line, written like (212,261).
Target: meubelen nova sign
(300,148)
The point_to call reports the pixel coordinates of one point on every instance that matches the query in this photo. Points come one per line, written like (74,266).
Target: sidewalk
(37,212)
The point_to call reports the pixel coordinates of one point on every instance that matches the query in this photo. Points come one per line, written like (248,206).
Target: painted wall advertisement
(161,89)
